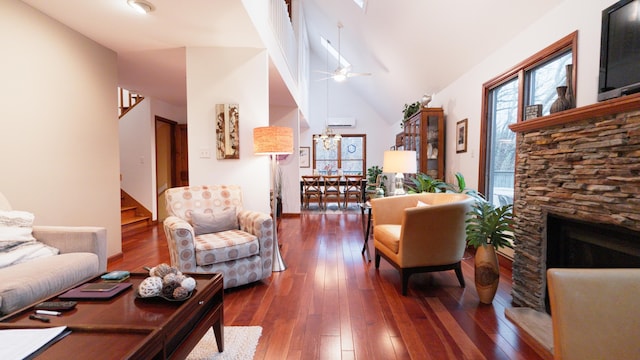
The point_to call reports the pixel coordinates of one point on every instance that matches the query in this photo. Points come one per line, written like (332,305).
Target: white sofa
(82,255)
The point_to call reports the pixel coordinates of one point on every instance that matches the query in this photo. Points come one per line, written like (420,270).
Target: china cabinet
(424,133)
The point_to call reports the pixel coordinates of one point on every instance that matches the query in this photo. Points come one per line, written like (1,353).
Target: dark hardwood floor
(332,304)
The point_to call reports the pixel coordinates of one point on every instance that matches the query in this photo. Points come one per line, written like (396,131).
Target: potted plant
(425,183)
(372,181)
(488,229)
(409,110)
(278,192)
(461,187)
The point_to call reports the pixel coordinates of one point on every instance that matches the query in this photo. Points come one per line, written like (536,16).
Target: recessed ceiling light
(141,6)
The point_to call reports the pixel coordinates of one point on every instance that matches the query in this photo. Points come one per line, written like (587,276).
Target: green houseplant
(425,183)
(409,110)
(372,181)
(488,229)
(461,187)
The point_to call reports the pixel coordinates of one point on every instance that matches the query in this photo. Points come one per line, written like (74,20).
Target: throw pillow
(421,204)
(214,222)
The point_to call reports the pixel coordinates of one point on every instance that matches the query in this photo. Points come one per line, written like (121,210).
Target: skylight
(362,4)
(334,53)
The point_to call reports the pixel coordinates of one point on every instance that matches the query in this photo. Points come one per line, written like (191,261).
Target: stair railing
(127,100)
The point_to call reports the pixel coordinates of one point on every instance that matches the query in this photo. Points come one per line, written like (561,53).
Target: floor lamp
(274,140)
(399,162)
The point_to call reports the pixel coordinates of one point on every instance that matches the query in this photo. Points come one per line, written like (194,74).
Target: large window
(349,156)
(533,82)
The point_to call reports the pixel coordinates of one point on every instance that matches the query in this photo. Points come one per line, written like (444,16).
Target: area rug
(240,343)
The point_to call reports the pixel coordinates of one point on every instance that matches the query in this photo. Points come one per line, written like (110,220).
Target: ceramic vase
(487,273)
(569,94)
(561,102)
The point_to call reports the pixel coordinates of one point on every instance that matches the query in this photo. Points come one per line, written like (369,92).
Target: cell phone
(56,305)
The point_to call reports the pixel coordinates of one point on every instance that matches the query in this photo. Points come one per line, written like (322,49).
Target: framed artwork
(461,136)
(227,131)
(305,159)
(532,111)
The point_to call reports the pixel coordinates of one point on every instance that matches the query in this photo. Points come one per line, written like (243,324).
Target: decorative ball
(161,270)
(171,278)
(188,283)
(180,293)
(150,287)
(167,289)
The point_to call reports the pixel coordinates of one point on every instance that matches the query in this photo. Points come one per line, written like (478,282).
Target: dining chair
(311,189)
(352,189)
(331,190)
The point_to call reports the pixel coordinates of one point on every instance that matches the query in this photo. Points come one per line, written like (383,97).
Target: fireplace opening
(574,243)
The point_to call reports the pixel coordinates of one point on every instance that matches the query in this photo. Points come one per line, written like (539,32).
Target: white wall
(463,98)
(59,126)
(138,149)
(221,76)
(137,154)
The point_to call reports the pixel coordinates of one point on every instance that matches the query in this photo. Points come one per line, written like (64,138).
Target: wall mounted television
(620,50)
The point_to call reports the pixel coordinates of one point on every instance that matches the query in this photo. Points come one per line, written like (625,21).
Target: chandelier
(328,138)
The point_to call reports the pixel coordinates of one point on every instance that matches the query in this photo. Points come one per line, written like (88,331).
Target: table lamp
(399,162)
(273,140)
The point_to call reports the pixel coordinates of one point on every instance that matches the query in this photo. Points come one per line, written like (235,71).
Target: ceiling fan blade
(352,74)
(323,72)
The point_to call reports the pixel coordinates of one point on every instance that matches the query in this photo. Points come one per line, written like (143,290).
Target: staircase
(133,216)
(127,100)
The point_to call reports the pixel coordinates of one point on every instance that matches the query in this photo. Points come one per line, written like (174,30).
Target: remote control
(56,305)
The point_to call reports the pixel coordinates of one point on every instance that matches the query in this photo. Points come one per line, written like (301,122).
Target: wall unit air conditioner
(341,122)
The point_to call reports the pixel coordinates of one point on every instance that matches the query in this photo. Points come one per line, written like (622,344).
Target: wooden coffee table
(128,327)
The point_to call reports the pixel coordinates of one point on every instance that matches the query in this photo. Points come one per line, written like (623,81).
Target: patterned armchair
(242,254)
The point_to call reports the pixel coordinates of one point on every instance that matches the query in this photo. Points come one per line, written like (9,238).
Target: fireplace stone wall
(587,168)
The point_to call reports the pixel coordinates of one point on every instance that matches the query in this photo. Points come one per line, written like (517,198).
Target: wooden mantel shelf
(613,106)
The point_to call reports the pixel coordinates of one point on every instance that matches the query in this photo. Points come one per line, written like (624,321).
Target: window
(349,156)
(503,111)
(534,81)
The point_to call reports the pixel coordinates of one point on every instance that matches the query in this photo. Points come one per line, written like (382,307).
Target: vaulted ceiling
(411,47)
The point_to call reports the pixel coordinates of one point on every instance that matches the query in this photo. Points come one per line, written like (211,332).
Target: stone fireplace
(584,165)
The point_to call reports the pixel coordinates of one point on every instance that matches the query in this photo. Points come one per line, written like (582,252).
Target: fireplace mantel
(613,106)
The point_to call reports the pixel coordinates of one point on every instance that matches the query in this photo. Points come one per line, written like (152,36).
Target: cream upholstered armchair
(208,231)
(421,232)
(595,313)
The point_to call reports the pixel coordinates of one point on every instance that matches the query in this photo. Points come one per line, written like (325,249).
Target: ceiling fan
(342,72)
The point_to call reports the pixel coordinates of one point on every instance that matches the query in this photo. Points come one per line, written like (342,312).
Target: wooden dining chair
(331,190)
(352,189)
(311,189)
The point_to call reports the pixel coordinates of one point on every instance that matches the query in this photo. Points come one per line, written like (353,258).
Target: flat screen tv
(620,50)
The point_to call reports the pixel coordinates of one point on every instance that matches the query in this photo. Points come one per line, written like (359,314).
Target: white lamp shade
(272,140)
(399,162)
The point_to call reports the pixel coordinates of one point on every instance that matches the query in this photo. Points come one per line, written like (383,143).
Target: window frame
(569,42)
(339,151)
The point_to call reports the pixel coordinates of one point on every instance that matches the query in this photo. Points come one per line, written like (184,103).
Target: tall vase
(561,103)
(569,94)
(487,273)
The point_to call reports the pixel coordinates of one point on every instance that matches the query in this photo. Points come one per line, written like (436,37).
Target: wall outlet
(205,153)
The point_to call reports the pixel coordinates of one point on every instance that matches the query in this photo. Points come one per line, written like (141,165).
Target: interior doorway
(172,169)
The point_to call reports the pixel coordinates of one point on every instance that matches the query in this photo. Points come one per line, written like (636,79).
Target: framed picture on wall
(227,131)
(461,136)
(305,159)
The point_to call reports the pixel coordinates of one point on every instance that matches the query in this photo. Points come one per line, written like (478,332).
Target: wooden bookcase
(424,133)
